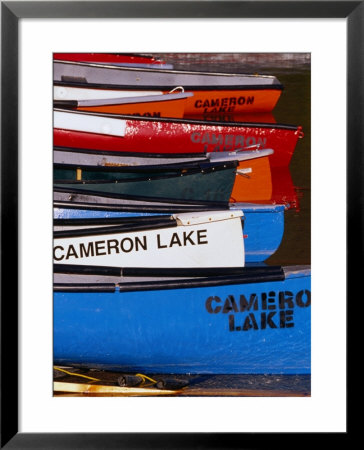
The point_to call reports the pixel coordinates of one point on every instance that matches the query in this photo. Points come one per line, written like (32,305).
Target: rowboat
(263,224)
(250,320)
(252,182)
(213,92)
(119,59)
(199,239)
(164,105)
(122,133)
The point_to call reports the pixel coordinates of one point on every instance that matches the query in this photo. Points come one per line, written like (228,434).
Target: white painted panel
(215,244)
(89,123)
(72,93)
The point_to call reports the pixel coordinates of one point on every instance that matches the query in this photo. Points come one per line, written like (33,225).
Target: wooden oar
(84,388)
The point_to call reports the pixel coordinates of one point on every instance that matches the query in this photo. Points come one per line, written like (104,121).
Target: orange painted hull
(231,101)
(256,185)
(167,108)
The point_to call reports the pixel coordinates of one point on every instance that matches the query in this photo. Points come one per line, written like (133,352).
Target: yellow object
(83,388)
(75,374)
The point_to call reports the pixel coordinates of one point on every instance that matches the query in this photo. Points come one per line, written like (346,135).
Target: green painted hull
(70,174)
(211,184)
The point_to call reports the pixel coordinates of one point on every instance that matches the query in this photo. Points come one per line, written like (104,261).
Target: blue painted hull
(263,226)
(249,328)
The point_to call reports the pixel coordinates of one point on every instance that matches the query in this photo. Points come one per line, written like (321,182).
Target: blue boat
(263,223)
(252,320)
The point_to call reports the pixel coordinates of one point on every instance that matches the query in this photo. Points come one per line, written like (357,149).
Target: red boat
(164,136)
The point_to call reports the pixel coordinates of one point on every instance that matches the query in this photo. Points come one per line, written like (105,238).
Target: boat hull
(248,328)
(214,183)
(165,136)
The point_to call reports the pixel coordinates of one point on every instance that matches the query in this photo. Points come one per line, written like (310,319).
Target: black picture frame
(11,12)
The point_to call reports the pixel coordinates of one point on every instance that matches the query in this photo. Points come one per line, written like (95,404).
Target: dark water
(293,107)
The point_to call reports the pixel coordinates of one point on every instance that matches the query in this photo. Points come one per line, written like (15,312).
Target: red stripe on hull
(183,137)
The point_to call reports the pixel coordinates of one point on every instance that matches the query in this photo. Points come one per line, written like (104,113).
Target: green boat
(197,182)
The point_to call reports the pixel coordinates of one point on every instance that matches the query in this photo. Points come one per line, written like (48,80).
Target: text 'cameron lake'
(128,244)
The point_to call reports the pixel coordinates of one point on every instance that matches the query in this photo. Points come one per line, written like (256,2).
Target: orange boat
(165,105)
(253,181)
(214,93)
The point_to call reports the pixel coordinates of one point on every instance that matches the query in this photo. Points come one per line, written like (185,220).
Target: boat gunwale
(142,55)
(81,269)
(170,97)
(102,221)
(184,168)
(151,200)
(183,283)
(122,163)
(205,277)
(149,279)
(105,207)
(153,224)
(209,123)
(168,87)
(195,155)
(171,71)
(247,208)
